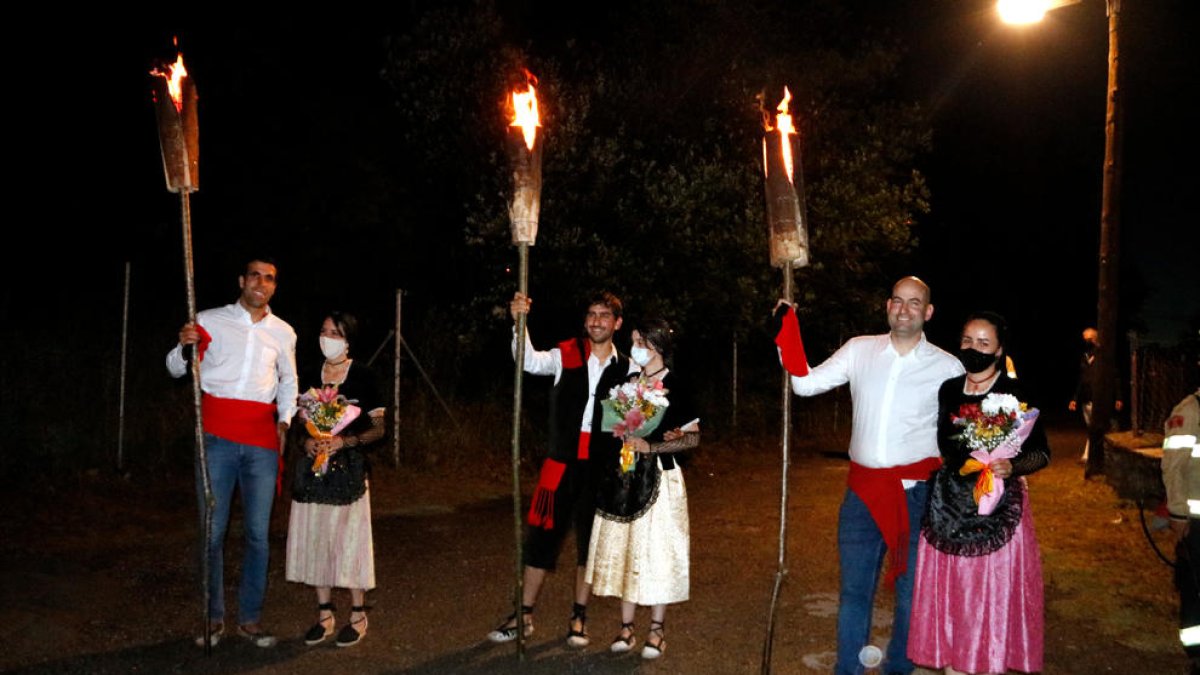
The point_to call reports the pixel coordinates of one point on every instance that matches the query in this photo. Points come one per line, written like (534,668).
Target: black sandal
(506,633)
(578,638)
(623,643)
(654,650)
(317,634)
(349,636)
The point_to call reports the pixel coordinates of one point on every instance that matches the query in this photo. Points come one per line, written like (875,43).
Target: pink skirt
(331,546)
(980,614)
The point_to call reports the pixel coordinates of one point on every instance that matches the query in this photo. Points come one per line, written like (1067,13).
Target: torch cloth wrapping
(785,212)
(527,185)
(178,136)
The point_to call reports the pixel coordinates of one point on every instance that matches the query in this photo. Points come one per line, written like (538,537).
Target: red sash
(883,493)
(245,422)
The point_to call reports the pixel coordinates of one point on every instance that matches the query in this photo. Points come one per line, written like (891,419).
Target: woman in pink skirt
(977,601)
(329,531)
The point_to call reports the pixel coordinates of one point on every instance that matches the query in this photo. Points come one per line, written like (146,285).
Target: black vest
(570,396)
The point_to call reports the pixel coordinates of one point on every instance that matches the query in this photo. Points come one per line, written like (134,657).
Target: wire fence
(1160,377)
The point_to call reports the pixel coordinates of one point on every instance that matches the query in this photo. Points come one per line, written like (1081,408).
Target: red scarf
(791,345)
(883,493)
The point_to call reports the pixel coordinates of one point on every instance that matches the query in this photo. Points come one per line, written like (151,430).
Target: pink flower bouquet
(326,413)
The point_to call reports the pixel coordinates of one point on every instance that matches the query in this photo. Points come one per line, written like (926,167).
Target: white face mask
(640,355)
(332,347)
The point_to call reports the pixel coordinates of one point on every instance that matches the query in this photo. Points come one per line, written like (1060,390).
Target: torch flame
(525,112)
(783,122)
(174,77)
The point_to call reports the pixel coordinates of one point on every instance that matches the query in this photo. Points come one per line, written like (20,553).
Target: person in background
(1181,476)
(1081,400)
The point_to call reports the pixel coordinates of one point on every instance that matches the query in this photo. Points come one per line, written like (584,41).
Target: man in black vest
(584,369)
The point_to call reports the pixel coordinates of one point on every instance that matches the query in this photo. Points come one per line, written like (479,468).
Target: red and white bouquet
(994,429)
(633,410)
(325,413)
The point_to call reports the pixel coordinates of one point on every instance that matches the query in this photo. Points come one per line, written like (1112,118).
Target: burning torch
(524,148)
(179,140)
(788,231)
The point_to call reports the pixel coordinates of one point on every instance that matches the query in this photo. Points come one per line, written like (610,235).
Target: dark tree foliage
(652,164)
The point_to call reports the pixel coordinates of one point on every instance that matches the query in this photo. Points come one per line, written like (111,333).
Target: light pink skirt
(982,614)
(331,545)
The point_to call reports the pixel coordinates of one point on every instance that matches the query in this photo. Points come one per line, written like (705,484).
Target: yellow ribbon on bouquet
(627,457)
(983,485)
(321,460)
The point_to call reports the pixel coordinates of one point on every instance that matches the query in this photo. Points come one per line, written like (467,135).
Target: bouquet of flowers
(325,413)
(633,410)
(994,429)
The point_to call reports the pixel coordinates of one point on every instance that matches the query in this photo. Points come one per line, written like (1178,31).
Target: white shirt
(247,361)
(895,397)
(550,363)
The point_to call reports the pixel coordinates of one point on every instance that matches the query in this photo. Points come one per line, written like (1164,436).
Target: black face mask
(1089,347)
(976,361)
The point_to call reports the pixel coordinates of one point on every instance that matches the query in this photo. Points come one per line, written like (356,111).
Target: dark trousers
(574,506)
(1187,580)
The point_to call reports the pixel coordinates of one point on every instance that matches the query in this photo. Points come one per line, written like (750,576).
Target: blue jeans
(861,551)
(253,469)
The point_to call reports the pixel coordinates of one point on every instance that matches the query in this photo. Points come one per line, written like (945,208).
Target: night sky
(295,129)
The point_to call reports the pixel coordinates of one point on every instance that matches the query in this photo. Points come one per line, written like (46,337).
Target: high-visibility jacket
(1181,458)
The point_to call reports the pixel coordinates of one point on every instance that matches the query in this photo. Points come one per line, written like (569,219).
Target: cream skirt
(645,561)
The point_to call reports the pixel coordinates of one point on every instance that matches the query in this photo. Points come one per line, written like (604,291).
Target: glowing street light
(1021,12)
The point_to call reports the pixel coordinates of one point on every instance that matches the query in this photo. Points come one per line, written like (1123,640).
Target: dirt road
(99,578)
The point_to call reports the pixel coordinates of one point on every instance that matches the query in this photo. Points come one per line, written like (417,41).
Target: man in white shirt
(248,375)
(584,369)
(894,380)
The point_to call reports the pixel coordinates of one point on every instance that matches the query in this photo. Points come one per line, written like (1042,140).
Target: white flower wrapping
(630,391)
(994,404)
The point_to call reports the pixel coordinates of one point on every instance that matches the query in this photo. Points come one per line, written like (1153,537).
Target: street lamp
(1103,394)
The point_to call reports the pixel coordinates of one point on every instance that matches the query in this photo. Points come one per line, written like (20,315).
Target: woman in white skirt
(639,549)
(329,532)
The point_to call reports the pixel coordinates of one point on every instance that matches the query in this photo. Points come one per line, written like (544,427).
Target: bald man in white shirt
(894,380)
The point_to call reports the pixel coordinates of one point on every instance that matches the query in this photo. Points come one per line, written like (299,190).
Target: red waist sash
(883,493)
(245,422)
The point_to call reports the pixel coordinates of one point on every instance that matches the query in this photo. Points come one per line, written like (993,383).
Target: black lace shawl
(952,523)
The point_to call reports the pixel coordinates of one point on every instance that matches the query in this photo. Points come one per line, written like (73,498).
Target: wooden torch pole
(179,140)
(523,144)
(518,379)
(789,249)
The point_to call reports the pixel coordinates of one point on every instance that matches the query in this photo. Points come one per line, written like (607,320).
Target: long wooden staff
(789,249)
(179,140)
(524,146)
